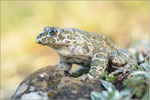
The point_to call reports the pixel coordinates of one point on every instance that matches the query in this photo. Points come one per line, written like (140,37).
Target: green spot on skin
(82,32)
(86,39)
(44,39)
(101,64)
(43,34)
(84,43)
(85,49)
(94,37)
(100,38)
(68,32)
(96,62)
(96,49)
(78,44)
(94,72)
(76,35)
(88,36)
(124,58)
(104,50)
(51,40)
(60,37)
(70,37)
(99,56)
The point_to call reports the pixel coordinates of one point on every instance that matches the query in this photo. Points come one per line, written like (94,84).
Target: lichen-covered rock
(51,83)
(37,85)
(75,88)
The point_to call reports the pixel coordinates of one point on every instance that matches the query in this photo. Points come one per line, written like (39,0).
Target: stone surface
(75,88)
(36,85)
(51,83)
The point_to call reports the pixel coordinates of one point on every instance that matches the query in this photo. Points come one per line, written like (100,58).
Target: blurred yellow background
(123,22)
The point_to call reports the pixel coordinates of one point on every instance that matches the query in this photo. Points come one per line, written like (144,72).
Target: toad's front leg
(64,66)
(99,63)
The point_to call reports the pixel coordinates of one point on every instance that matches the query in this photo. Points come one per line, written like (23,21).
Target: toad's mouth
(39,41)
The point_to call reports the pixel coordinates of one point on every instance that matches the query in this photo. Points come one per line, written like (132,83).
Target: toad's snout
(38,41)
(38,38)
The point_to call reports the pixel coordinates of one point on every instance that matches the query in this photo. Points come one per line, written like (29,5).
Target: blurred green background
(123,22)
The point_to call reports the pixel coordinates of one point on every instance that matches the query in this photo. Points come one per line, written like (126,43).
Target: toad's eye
(52,32)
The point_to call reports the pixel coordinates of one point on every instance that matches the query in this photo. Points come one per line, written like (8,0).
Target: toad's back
(90,42)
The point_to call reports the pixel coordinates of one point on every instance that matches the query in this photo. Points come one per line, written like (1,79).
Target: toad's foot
(122,59)
(120,70)
(86,76)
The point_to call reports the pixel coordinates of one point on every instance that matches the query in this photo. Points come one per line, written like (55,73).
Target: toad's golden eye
(52,32)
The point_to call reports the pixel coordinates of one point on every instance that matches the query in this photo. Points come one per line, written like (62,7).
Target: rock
(37,85)
(75,88)
(51,83)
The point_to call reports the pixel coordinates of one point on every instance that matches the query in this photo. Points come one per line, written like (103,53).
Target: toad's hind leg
(121,60)
(98,65)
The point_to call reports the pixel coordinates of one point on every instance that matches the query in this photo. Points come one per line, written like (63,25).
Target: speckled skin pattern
(80,47)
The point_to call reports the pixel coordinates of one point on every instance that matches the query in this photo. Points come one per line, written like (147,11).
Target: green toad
(87,49)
